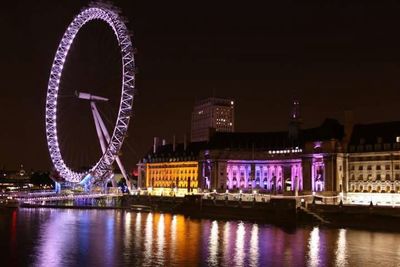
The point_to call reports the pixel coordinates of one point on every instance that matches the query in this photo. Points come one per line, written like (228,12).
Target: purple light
(318,174)
(268,173)
(112,18)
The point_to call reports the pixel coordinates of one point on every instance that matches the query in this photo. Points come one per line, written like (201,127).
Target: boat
(9,202)
(141,208)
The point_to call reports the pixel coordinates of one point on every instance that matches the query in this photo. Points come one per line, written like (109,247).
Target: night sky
(332,55)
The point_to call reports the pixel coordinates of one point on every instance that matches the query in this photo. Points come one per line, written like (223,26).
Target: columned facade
(377,172)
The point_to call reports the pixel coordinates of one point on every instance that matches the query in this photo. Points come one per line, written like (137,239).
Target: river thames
(58,237)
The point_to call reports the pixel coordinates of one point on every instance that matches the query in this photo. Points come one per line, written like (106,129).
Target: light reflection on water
(44,237)
(341,251)
(239,249)
(160,240)
(55,238)
(213,244)
(148,243)
(313,248)
(254,247)
(227,244)
(173,236)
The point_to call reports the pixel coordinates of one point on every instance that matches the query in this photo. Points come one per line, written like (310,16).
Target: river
(66,237)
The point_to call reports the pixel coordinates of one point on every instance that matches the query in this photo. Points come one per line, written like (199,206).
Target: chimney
(348,125)
(184,142)
(173,143)
(155,145)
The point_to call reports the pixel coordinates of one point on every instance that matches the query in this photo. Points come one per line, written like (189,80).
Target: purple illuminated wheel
(110,15)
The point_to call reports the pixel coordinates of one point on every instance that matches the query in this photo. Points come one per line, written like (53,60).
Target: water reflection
(227,243)
(13,234)
(239,248)
(109,252)
(138,237)
(313,248)
(160,240)
(56,239)
(254,247)
(117,238)
(173,235)
(148,243)
(213,244)
(127,234)
(341,257)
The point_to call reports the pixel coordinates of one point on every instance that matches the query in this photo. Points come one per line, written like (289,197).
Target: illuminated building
(171,170)
(14,180)
(358,162)
(374,158)
(276,162)
(212,115)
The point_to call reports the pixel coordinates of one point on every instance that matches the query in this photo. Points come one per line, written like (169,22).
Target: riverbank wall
(285,212)
(380,218)
(275,211)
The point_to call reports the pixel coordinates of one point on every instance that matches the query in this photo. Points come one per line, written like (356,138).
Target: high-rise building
(295,122)
(212,114)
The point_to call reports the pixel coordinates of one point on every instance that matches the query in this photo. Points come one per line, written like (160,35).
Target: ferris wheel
(101,171)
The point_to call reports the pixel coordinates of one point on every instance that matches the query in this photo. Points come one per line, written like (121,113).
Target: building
(374,158)
(287,162)
(359,163)
(272,162)
(14,180)
(171,170)
(212,115)
(268,162)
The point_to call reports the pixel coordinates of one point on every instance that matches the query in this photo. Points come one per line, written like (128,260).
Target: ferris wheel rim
(111,16)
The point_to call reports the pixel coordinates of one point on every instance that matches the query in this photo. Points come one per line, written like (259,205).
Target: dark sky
(332,55)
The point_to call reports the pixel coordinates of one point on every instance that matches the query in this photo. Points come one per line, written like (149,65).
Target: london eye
(101,171)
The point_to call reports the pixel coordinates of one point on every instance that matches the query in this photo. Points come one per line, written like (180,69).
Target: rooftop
(383,132)
(329,129)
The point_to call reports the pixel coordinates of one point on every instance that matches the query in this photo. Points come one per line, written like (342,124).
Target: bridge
(69,200)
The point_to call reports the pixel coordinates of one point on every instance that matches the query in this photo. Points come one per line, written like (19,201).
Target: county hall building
(329,159)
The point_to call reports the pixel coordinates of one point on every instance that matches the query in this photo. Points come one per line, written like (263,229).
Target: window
(398,139)
(378,167)
(397,167)
(369,167)
(352,167)
(360,168)
(387,167)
